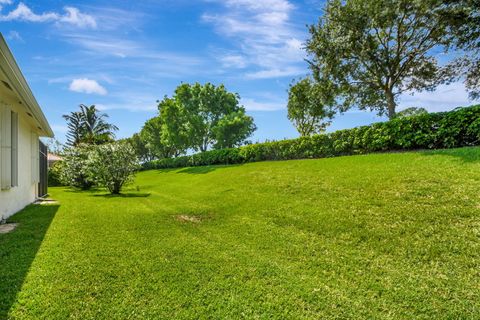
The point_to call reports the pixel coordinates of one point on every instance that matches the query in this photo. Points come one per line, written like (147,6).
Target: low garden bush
(457,128)
(55,174)
(111,165)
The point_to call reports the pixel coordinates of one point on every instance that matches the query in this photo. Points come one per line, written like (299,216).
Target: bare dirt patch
(7,227)
(188,218)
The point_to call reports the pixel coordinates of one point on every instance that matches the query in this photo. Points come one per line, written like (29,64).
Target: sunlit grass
(376,236)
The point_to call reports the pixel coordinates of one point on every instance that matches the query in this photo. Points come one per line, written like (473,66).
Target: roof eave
(21,88)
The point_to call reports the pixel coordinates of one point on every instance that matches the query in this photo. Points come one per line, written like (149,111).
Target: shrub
(457,128)
(112,165)
(55,174)
(74,171)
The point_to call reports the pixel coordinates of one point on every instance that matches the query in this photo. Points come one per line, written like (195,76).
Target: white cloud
(446,97)
(266,38)
(88,86)
(72,16)
(276,73)
(254,105)
(233,61)
(24,13)
(75,17)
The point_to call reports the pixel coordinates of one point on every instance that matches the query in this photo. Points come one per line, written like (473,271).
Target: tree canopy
(374,50)
(213,116)
(196,117)
(310,106)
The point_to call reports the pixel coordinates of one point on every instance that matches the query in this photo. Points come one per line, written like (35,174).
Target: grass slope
(375,236)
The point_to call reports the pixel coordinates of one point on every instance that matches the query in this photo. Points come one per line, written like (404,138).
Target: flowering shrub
(74,168)
(112,165)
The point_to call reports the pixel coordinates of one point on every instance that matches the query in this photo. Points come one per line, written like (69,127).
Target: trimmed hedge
(457,128)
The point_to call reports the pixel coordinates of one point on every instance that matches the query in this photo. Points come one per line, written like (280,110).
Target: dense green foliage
(88,126)
(453,129)
(380,236)
(310,106)
(74,170)
(411,111)
(197,117)
(372,51)
(109,165)
(55,174)
(112,165)
(463,17)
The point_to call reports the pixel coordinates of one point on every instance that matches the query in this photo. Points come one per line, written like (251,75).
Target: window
(35,156)
(14,151)
(5,147)
(8,147)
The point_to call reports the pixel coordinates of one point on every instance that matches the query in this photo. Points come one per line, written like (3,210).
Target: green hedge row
(457,128)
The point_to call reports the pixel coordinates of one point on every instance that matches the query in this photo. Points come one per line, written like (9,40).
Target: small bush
(457,128)
(74,171)
(112,165)
(55,174)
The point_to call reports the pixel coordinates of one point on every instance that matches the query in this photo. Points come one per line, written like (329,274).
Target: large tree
(375,50)
(213,116)
(140,146)
(88,126)
(310,106)
(153,134)
(463,19)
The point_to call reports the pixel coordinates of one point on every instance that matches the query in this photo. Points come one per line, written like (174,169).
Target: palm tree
(88,126)
(75,128)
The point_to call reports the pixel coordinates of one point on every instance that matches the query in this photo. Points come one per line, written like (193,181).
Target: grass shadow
(465,154)
(205,169)
(122,195)
(197,170)
(18,250)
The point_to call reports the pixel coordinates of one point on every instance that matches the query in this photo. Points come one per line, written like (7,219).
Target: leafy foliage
(453,129)
(140,146)
(112,165)
(463,18)
(55,174)
(88,126)
(213,116)
(197,117)
(371,51)
(412,111)
(310,107)
(74,168)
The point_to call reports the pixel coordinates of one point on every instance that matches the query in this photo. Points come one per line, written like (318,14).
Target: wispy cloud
(72,16)
(14,35)
(88,86)
(255,105)
(267,40)
(446,97)
(132,101)
(4,2)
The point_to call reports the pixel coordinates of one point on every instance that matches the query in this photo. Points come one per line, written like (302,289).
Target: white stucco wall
(17,198)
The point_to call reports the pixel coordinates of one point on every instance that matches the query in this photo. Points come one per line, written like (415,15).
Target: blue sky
(125,55)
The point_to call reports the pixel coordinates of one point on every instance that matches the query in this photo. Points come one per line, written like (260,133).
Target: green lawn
(379,236)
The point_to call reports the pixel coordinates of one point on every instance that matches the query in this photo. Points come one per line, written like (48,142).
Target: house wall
(17,198)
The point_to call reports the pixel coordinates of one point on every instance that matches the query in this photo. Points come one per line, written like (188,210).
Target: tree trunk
(391,104)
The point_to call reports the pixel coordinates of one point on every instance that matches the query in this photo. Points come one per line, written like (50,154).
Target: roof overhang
(19,86)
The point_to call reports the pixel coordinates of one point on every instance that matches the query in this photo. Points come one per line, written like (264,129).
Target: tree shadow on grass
(465,154)
(122,195)
(205,169)
(19,248)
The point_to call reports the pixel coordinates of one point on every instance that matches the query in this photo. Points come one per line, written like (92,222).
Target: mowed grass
(390,236)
